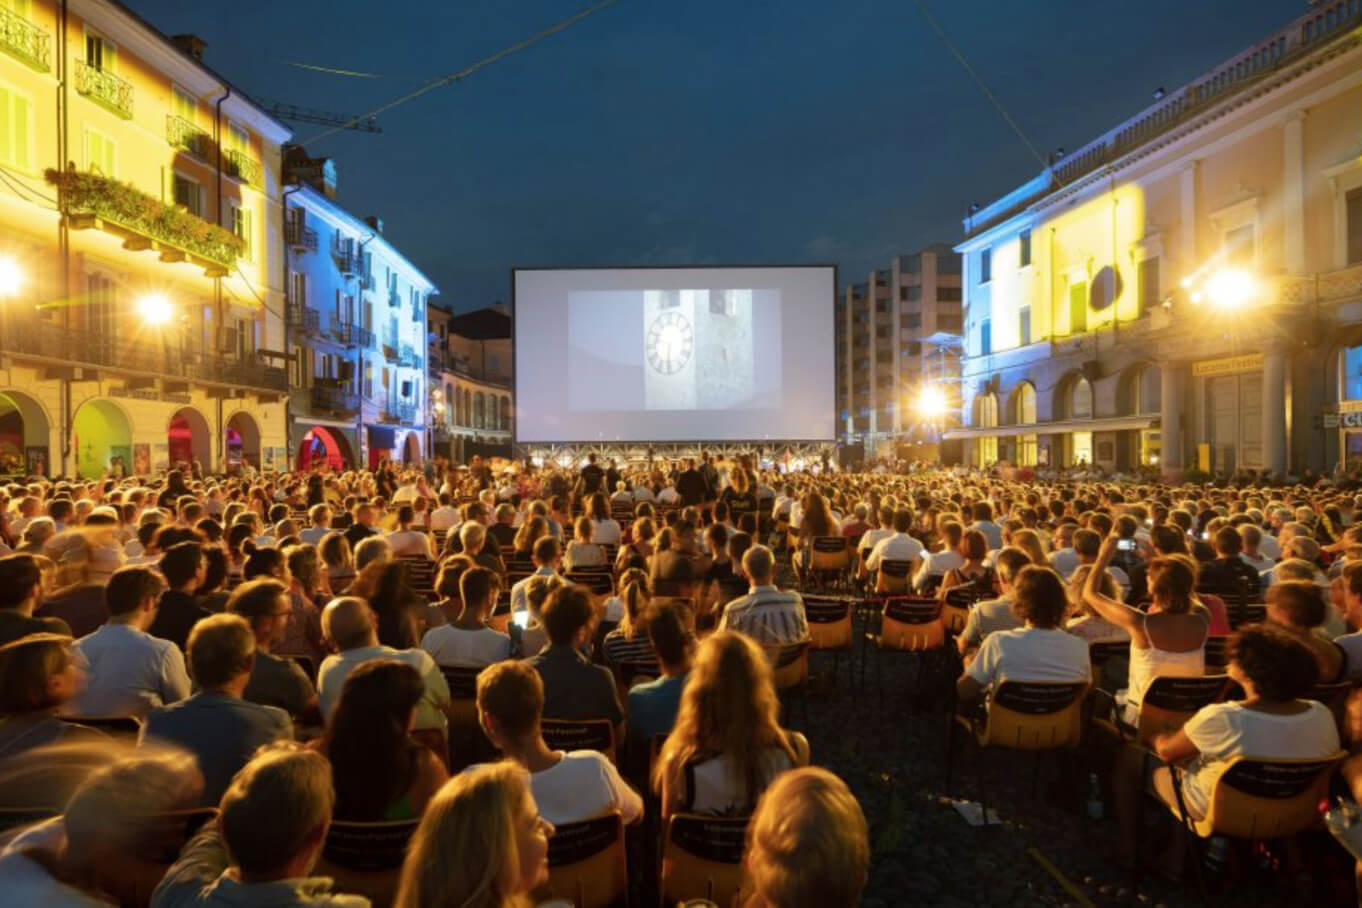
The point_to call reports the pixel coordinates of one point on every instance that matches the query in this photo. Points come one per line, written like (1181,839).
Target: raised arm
(1118,613)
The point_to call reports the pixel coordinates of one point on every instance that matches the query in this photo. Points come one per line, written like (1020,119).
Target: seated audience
(380,771)
(487,816)
(808,845)
(994,615)
(275,680)
(568,787)
(183,567)
(653,704)
(468,641)
(130,672)
(768,615)
(727,744)
(582,552)
(215,724)
(20,592)
(573,687)
(1085,621)
(1298,607)
(38,676)
(628,642)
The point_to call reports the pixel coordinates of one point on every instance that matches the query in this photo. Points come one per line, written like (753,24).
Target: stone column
(1293,192)
(1274,412)
(1170,418)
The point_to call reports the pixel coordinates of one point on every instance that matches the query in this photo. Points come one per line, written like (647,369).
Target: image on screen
(655,354)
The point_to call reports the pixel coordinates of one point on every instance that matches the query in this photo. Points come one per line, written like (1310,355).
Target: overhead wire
(468,70)
(979,81)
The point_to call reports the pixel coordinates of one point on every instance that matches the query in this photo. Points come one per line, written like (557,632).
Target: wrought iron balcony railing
(406,356)
(304,320)
(242,166)
(300,238)
(391,352)
(353,335)
(346,261)
(25,41)
(34,337)
(406,413)
(104,88)
(185,135)
(334,399)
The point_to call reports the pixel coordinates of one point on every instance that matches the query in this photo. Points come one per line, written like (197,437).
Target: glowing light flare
(931,402)
(11,278)
(155,309)
(1231,289)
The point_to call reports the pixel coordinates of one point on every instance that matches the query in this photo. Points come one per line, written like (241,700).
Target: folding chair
(467,743)
(366,858)
(893,578)
(908,624)
(113,726)
(829,562)
(790,668)
(829,621)
(702,859)
(420,573)
(1167,705)
(1215,652)
(581,734)
(1023,715)
(1334,696)
(955,606)
(587,865)
(1256,800)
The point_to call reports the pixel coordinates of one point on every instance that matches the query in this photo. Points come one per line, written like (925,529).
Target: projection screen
(674,354)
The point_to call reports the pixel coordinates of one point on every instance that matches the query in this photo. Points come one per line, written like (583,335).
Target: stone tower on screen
(698,349)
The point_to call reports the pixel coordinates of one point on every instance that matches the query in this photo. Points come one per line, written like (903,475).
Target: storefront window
(1352,373)
(1081,449)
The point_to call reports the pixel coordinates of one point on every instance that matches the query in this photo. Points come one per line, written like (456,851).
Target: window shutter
(107,161)
(18,155)
(7,129)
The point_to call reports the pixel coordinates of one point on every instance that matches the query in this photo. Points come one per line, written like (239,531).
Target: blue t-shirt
(653,707)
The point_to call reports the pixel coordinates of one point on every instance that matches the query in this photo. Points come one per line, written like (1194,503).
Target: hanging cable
(467,71)
(979,81)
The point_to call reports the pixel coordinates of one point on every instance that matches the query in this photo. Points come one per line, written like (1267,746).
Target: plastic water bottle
(1095,808)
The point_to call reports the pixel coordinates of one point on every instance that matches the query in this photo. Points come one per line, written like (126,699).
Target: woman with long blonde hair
(727,744)
(481,844)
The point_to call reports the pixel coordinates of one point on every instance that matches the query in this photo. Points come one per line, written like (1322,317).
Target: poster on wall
(160,456)
(141,459)
(36,460)
(269,458)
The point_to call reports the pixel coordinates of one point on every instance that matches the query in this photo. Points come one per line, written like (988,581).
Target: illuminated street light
(155,309)
(1231,289)
(931,402)
(11,278)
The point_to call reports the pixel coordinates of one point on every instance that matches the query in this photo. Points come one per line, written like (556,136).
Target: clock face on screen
(670,342)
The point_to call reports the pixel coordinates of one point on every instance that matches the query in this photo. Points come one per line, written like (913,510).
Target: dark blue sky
(733,131)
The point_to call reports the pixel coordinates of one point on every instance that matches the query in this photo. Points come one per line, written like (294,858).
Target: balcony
(241,166)
(353,335)
(185,136)
(300,238)
(334,399)
(392,354)
(144,222)
(307,322)
(105,89)
(407,357)
(346,261)
(59,345)
(25,41)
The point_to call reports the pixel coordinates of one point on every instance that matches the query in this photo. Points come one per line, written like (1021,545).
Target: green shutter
(19,156)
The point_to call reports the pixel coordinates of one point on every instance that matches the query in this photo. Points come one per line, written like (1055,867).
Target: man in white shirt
(642,492)
(320,515)
(873,536)
(768,615)
(994,614)
(1064,559)
(28,509)
(129,671)
(939,564)
(446,516)
(546,557)
(352,626)
(898,546)
(567,787)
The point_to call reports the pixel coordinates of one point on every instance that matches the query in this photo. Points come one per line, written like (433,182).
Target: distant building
(896,333)
(1186,289)
(357,322)
(141,294)
(470,378)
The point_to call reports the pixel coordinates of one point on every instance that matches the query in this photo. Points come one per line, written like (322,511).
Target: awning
(384,437)
(1110,424)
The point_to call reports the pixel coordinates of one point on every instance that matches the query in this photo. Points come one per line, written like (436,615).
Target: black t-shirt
(592,478)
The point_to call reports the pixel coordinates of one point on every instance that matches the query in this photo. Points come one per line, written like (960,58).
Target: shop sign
(1352,420)
(1229,365)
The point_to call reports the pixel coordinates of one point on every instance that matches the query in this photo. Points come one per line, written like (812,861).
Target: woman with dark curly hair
(380,771)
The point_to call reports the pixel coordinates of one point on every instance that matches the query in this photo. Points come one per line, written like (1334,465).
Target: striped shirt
(767,615)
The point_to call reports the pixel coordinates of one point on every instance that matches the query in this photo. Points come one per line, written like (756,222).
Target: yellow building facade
(141,304)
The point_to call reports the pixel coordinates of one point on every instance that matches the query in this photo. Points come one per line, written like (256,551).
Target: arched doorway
(101,436)
(322,446)
(986,417)
(411,449)
(1023,413)
(23,436)
(188,437)
(243,442)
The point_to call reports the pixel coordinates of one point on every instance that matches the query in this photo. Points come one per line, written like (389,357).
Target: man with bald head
(352,626)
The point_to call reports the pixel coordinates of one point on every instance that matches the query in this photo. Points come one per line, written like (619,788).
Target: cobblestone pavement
(924,853)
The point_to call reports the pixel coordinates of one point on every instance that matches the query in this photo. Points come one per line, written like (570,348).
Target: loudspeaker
(406,389)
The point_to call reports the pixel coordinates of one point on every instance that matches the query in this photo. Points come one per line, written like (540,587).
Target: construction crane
(282,110)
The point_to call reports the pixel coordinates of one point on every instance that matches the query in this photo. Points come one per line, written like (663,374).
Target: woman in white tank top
(1170,642)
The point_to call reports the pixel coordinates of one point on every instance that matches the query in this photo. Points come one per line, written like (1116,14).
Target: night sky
(705,131)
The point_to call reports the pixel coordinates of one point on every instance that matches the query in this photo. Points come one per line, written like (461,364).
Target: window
(948,295)
(16,129)
(298,296)
(1149,284)
(903,293)
(1354,204)
(985,337)
(100,153)
(1239,248)
(1024,325)
(100,53)
(985,266)
(913,320)
(238,139)
(1024,252)
(183,104)
(241,226)
(914,293)
(189,195)
(1078,307)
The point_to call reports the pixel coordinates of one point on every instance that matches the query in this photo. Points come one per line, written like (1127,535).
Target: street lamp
(1227,289)
(931,403)
(155,309)
(11,278)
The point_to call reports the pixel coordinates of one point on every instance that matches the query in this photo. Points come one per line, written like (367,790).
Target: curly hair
(1279,665)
